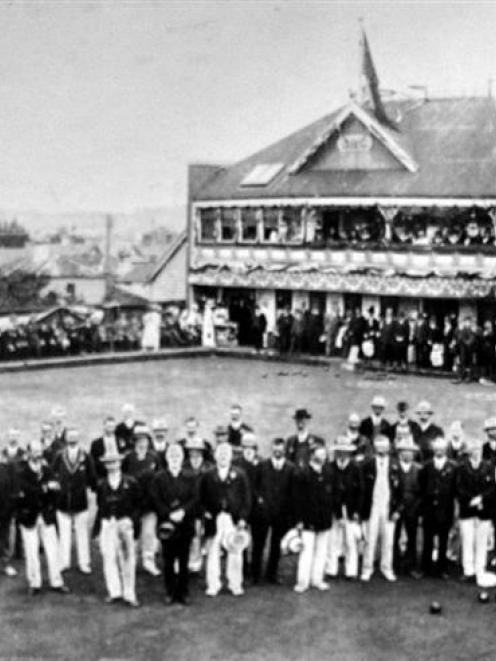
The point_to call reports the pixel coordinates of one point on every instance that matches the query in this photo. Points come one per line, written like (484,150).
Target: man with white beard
(225,499)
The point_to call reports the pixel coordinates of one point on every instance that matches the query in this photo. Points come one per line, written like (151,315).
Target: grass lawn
(377,621)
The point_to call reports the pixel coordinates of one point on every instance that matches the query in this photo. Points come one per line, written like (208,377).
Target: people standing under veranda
(225,500)
(259,328)
(141,464)
(437,488)
(174,494)
(380,508)
(74,470)
(346,500)
(36,514)
(118,519)
(312,503)
(466,345)
(271,510)
(475,491)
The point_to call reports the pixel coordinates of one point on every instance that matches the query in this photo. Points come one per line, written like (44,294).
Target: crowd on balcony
(394,341)
(99,332)
(374,226)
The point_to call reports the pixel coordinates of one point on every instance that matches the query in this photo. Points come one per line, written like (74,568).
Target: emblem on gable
(355,142)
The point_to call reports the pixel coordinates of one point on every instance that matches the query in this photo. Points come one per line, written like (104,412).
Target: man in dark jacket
(118,502)
(380,508)
(409,472)
(405,421)
(376,423)
(36,514)
(466,345)
(299,445)
(225,499)
(108,443)
(236,427)
(437,487)
(271,510)
(197,464)
(475,491)
(259,328)
(427,432)
(142,463)
(8,492)
(74,470)
(125,429)
(312,503)
(346,500)
(174,495)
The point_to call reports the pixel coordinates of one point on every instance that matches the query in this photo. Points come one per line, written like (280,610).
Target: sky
(104,104)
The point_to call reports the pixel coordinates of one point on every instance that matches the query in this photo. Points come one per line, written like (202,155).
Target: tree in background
(20,289)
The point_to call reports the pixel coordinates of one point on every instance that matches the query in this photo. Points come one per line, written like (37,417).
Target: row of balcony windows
(362,228)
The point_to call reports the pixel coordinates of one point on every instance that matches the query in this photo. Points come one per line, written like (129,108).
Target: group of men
(361,499)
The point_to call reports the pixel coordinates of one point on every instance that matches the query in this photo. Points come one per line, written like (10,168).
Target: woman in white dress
(150,340)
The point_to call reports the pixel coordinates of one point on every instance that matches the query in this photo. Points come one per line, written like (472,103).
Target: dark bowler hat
(402,407)
(302,414)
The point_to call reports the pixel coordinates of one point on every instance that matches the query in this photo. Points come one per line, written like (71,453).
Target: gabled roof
(451,143)
(147,272)
(377,130)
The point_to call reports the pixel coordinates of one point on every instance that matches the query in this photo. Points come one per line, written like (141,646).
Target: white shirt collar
(405,466)
(440,462)
(277,463)
(223,473)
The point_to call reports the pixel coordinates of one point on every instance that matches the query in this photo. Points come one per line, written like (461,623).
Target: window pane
(249,224)
(208,224)
(293,225)
(228,224)
(271,225)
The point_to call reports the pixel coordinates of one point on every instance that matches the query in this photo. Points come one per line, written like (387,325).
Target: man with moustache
(299,445)
(174,494)
(272,510)
(106,444)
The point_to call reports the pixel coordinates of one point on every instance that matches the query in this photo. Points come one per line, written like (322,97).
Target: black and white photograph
(247,330)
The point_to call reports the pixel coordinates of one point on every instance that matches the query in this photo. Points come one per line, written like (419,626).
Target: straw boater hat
(292,542)
(424,407)
(406,443)
(112,457)
(440,442)
(195,444)
(235,540)
(490,423)
(381,441)
(378,401)
(249,440)
(160,424)
(343,444)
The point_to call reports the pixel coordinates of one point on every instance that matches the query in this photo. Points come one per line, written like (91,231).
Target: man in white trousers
(118,516)
(225,500)
(346,499)
(36,500)
(74,470)
(475,485)
(142,463)
(380,508)
(312,497)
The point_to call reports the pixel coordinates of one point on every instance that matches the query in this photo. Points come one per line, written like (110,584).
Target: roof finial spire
(369,81)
